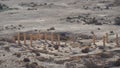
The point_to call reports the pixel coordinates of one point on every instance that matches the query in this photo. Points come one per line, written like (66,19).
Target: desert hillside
(59,33)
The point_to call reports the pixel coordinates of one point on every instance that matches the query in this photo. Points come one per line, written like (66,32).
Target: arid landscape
(59,33)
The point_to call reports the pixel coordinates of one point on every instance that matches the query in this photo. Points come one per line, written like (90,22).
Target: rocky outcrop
(89,19)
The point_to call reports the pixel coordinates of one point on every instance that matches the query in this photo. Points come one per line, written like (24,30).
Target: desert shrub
(6,40)
(89,63)
(84,36)
(106,55)
(116,2)
(52,28)
(44,59)
(33,65)
(62,61)
(111,32)
(7,48)
(17,55)
(3,7)
(91,21)
(2,43)
(70,65)
(26,60)
(86,50)
(117,63)
(37,53)
(117,21)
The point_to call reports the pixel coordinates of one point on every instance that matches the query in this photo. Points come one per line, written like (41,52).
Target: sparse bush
(2,43)
(86,50)
(17,55)
(92,32)
(52,28)
(117,21)
(44,59)
(84,36)
(98,28)
(106,55)
(37,53)
(89,63)
(20,25)
(70,65)
(117,63)
(112,32)
(7,49)
(26,60)
(56,47)
(6,40)
(33,65)
(116,2)
(62,61)
(3,7)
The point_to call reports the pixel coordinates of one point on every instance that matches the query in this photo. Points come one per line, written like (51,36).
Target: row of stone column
(36,37)
(105,39)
